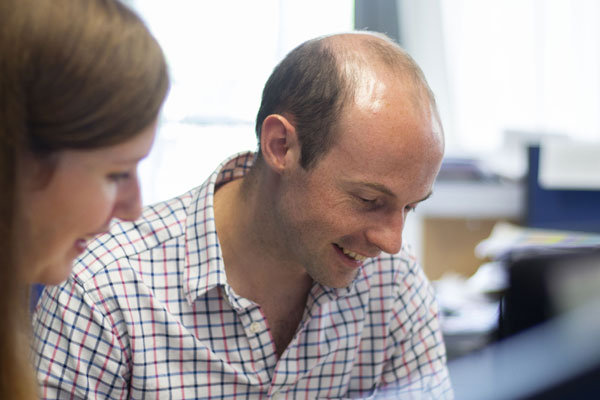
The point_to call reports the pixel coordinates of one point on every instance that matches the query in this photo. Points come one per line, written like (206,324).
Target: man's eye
(410,208)
(367,201)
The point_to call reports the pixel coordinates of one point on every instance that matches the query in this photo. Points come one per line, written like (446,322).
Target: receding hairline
(359,51)
(375,51)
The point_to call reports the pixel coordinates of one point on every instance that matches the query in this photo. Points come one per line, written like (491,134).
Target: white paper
(569,165)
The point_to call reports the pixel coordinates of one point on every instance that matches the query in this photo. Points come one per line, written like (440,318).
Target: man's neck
(253,266)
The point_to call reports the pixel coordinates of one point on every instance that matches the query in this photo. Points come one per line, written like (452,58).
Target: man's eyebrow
(385,190)
(377,187)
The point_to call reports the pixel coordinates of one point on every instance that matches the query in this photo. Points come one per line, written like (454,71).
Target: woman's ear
(279,142)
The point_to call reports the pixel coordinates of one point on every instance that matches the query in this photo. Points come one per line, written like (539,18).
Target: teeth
(354,255)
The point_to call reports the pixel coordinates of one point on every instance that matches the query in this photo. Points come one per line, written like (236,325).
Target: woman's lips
(80,245)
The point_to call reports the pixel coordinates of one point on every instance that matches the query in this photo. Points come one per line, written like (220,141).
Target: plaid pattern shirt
(147,314)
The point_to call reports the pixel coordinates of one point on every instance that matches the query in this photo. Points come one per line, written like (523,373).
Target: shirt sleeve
(77,349)
(417,368)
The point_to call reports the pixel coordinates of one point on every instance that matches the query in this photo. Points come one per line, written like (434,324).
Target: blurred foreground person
(81,86)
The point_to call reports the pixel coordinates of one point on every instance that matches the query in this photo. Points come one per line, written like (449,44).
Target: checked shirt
(148,314)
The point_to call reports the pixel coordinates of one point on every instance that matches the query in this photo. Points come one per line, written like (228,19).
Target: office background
(504,72)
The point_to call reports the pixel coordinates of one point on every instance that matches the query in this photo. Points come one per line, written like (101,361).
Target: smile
(351,254)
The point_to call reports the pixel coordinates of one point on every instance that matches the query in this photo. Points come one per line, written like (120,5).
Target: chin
(55,274)
(337,282)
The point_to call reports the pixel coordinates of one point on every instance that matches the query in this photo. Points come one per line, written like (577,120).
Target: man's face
(353,203)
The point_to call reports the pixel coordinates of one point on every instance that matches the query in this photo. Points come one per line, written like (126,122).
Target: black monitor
(545,283)
(564,209)
(549,328)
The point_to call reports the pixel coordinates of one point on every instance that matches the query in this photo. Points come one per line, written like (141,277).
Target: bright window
(508,72)
(220,54)
(523,65)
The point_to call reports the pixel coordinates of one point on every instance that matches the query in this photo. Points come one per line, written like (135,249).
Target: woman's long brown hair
(74,74)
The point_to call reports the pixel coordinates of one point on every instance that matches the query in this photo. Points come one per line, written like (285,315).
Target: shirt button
(254,327)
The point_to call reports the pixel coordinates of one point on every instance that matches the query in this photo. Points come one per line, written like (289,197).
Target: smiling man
(285,273)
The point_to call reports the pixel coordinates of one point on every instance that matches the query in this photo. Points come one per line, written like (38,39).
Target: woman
(81,85)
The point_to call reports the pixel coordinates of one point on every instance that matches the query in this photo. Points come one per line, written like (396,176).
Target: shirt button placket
(277,396)
(255,327)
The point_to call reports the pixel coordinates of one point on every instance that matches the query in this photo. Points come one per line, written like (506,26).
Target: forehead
(388,110)
(388,136)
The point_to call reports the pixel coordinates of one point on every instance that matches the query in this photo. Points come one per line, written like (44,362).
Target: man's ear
(279,142)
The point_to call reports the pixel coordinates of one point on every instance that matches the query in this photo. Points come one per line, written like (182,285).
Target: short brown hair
(310,85)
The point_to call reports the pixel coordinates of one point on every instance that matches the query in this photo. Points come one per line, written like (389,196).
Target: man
(284,274)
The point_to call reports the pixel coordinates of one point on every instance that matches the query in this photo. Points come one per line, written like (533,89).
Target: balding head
(315,82)
(364,57)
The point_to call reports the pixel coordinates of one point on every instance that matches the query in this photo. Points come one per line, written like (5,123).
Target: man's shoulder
(159,224)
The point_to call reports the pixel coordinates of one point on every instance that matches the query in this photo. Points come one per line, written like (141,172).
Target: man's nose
(387,234)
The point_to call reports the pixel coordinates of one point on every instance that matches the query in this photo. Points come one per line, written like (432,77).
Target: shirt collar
(204,268)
